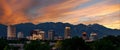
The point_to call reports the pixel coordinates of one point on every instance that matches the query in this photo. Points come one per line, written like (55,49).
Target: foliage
(75,43)
(106,43)
(3,43)
(11,48)
(58,44)
(37,45)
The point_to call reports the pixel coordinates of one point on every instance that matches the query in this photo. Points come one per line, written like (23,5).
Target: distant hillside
(3,30)
(76,30)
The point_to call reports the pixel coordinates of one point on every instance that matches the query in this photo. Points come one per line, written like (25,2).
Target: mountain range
(76,30)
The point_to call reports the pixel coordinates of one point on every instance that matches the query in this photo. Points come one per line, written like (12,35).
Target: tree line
(75,43)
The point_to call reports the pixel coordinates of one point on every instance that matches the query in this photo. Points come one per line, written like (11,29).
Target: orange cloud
(12,12)
(70,11)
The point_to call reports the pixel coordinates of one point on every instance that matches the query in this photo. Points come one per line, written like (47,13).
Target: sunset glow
(104,12)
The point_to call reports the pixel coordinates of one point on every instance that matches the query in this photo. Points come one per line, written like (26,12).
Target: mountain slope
(76,30)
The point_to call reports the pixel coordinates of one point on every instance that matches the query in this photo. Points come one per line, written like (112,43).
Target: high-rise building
(42,35)
(50,35)
(20,35)
(67,33)
(11,32)
(93,36)
(84,36)
(37,35)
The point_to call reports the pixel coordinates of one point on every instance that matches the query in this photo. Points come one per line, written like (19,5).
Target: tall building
(67,33)
(11,32)
(20,35)
(37,35)
(50,35)
(93,36)
(84,36)
(42,33)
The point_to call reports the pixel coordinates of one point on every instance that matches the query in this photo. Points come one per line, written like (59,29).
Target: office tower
(93,36)
(34,36)
(84,36)
(50,35)
(67,33)
(11,35)
(37,35)
(42,35)
(20,35)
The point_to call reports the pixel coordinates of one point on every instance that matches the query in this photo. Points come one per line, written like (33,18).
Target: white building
(20,35)
(11,32)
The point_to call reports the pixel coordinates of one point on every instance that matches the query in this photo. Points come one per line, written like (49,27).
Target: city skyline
(59,24)
(39,34)
(104,12)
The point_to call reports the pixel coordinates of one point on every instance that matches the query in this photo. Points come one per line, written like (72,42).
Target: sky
(104,12)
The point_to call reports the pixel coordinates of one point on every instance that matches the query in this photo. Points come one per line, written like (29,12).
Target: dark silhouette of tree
(3,43)
(7,47)
(75,43)
(106,43)
(58,45)
(37,45)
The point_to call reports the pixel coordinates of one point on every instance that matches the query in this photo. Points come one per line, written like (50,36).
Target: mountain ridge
(76,30)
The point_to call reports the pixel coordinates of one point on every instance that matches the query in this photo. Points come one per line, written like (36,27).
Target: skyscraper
(37,35)
(11,32)
(84,36)
(67,33)
(42,35)
(20,35)
(93,36)
(50,35)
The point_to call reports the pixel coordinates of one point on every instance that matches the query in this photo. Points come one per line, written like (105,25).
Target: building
(84,36)
(41,35)
(51,35)
(20,35)
(34,35)
(93,36)
(37,35)
(11,32)
(67,33)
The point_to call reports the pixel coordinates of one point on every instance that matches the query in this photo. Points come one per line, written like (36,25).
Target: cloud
(70,11)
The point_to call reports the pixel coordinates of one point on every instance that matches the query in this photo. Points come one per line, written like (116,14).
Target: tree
(75,43)
(104,44)
(58,45)
(37,45)
(7,47)
(3,43)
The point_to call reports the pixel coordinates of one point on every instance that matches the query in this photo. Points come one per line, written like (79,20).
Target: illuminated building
(50,35)
(37,35)
(41,35)
(67,33)
(84,36)
(20,35)
(93,36)
(11,32)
